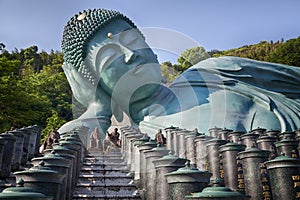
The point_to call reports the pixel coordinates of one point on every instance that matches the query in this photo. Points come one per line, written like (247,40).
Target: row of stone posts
(258,165)
(155,168)
(17,147)
(53,175)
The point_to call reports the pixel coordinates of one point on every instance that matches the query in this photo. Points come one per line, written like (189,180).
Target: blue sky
(214,24)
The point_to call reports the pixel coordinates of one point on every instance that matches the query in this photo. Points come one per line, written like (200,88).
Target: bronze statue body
(112,71)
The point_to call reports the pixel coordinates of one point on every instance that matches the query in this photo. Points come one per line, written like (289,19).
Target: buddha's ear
(117,111)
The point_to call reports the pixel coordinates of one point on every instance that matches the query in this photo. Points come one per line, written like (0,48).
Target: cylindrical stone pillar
(185,181)
(151,155)
(255,176)
(42,179)
(71,176)
(217,193)
(213,157)
(229,153)
(123,139)
(201,153)
(131,156)
(284,175)
(288,147)
(26,145)
(267,143)
(190,147)
(75,137)
(170,137)
(143,167)
(235,137)
(75,146)
(2,147)
(38,139)
(23,193)
(164,165)
(18,150)
(176,141)
(289,135)
(127,147)
(223,134)
(249,139)
(259,131)
(273,133)
(181,143)
(32,141)
(71,155)
(137,160)
(58,163)
(214,132)
(8,155)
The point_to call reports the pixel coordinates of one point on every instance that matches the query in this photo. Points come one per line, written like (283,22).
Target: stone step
(99,154)
(103,197)
(109,172)
(104,178)
(114,189)
(107,163)
(103,161)
(94,164)
(116,166)
(104,155)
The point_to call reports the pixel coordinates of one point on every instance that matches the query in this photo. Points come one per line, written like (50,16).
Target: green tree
(169,72)
(19,106)
(288,53)
(54,121)
(32,62)
(33,89)
(261,51)
(192,56)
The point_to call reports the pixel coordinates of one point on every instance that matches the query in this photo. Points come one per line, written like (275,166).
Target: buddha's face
(126,65)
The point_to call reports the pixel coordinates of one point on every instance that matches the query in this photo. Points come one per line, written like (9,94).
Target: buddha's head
(108,50)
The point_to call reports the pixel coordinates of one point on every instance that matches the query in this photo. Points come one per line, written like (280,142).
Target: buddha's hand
(83,90)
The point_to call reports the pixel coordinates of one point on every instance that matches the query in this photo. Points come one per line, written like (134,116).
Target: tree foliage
(192,56)
(288,53)
(284,52)
(169,72)
(33,89)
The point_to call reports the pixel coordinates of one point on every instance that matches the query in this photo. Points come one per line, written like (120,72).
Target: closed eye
(129,37)
(105,55)
(105,61)
(131,41)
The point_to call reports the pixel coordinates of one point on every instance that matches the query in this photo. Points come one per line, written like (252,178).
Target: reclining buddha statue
(113,71)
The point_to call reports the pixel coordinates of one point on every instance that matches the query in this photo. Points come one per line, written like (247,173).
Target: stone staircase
(105,176)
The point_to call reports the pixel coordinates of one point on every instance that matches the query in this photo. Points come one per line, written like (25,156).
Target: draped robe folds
(236,93)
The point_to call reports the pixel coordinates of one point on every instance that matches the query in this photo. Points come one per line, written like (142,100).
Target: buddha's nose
(129,55)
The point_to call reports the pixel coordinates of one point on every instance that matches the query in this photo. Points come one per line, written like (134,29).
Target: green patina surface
(112,70)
